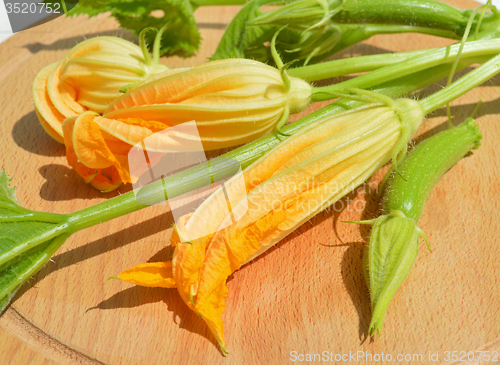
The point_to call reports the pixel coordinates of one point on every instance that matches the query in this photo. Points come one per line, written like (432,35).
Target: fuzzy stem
(346,66)
(144,46)
(429,14)
(474,78)
(65,9)
(157,44)
(457,59)
(414,64)
(355,33)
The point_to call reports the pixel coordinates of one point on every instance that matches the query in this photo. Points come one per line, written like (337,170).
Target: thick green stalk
(144,46)
(475,78)
(351,65)
(353,20)
(356,33)
(429,14)
(418,63)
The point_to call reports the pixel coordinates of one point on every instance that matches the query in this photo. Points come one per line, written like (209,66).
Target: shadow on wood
(138,296)
(30,136)
(63,184)
(99,247)
(68,43)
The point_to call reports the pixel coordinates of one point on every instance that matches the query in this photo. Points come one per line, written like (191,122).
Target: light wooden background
(305,295)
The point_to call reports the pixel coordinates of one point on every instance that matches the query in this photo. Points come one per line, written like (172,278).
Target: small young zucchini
(394,239)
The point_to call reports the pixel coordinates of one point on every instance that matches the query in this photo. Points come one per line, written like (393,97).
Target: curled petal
(50,118)
(88,151)
(155,274)
(89,77)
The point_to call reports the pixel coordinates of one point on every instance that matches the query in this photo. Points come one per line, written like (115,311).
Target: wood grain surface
(305,295)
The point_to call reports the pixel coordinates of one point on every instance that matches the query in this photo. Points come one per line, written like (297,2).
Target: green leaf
(6,192)
(238,38)
(27,240)
(181,38)
(17,271)
(5,301)
(65,6)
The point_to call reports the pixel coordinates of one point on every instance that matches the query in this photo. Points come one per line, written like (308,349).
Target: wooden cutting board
(305,296)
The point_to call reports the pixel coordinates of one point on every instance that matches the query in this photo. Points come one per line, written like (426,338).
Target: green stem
(346,66)
(55,226)
(355,33)
(374,29)
(32,217)
(65,9)
(144,46)
(357,21)
(157,44)
(414,64)
(474,78)
(428,14)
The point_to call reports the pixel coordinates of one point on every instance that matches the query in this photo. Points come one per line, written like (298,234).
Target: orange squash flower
(297,179)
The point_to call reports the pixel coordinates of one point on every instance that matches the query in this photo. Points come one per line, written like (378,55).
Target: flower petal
(211,312)
(155,274)
(89,144)
(62,95)
(50,118)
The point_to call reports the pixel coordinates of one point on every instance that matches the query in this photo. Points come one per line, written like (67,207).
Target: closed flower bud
(89,78)
(388,259)
(311,43)
(302,14)
(309,32)
(232,101)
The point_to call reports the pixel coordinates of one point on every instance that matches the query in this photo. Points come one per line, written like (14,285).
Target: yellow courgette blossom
(297,179)
(232,102)
(89,77)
